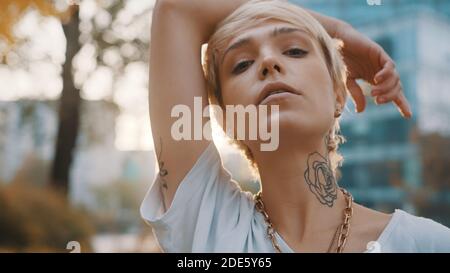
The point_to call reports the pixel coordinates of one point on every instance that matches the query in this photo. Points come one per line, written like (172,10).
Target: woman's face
(280,56)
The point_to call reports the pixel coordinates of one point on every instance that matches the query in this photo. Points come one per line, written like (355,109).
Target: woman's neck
(300,192)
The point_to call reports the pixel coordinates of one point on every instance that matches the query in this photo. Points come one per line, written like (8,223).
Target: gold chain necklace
(343,230)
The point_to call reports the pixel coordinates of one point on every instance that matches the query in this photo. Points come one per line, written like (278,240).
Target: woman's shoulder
(409,233)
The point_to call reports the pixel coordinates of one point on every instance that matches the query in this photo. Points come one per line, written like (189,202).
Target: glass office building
(383,165)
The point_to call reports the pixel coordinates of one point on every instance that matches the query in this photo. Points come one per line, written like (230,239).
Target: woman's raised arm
(179,28)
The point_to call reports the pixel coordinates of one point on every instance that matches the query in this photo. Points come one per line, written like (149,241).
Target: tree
(69,110)
(10,13)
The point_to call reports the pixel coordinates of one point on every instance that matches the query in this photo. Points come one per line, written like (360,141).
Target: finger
(391,94)
(386,86)
(403,105)
(357,95)
(384,73)
(384,60)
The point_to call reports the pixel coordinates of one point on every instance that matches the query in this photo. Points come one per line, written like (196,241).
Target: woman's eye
(296,52)
(241,67)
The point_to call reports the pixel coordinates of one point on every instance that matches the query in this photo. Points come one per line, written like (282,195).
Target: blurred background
(76,151)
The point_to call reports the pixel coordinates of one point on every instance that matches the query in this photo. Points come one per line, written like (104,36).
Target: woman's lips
(276,90)
(272,97)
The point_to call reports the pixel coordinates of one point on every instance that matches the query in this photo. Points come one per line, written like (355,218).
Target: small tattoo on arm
(162,171)
(320,179)
(162,174)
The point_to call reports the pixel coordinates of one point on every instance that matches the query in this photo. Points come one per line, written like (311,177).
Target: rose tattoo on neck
(320,179)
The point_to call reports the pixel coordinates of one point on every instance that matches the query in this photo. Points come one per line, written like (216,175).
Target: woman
(267,53)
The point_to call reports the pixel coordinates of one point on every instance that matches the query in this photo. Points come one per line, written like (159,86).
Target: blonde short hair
(254,13)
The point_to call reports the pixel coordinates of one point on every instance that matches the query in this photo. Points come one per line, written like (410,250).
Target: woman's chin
(291,123)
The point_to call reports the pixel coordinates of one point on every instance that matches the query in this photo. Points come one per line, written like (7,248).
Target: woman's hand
(367,60)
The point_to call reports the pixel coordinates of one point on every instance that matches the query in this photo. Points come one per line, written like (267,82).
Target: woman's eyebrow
(286,30)
(276,32)
(239,43)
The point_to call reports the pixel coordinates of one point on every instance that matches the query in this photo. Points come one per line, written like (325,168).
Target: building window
(387,44)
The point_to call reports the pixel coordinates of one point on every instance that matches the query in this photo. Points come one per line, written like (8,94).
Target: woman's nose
(269,67)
